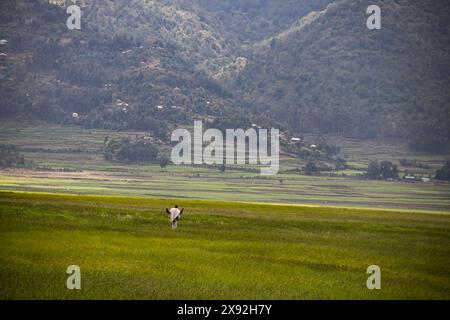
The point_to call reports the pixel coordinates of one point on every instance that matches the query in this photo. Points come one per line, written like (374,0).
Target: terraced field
(80,149)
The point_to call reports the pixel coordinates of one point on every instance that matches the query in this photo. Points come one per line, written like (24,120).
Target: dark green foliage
(11,158)
(430,135)
(273,43)
(164,161)
(87,72)
(330,74)
(129,150)
(310,168)
(203,81)
(444,172)
(413,163)
(327,74)
(383,170)
(388,170)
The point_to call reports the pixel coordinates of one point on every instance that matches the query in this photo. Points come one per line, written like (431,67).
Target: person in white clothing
(175,215)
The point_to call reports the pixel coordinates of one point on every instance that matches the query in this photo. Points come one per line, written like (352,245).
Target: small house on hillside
(121,103)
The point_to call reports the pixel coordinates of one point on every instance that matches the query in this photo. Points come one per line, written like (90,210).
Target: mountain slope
(134,64)
(329,73)
(152,65)
(252,20)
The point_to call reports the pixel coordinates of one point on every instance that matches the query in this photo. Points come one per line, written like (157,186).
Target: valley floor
(243,236)
(75,148)
(210,184)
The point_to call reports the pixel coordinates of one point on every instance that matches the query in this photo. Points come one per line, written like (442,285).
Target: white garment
(174,213)
(174,216)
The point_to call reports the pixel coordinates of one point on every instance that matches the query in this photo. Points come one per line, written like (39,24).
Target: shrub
(444,172)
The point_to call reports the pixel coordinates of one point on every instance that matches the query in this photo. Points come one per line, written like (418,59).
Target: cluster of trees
(413,163)
(311,168)
(444,172)
(315,167)
(432,133)
(382,170)
(134,150)
(130,150)
(163,161)
(11,158)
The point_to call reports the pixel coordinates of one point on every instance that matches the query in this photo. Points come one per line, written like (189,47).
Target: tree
(127,150)
(388,170)
(273,43)
(444,172)
(310,168)
(383,170)
(11,158)
(373,170)
(163,161)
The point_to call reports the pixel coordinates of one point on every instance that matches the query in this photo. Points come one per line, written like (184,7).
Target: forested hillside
(252,20)
(329,73)
(134,64)
(304,66)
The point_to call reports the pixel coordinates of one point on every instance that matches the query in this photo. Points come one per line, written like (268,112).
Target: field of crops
(80,149)
(126,249)
(243,236)
(202,183)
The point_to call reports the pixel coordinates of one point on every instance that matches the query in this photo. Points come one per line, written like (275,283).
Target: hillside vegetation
(134,64)
(303,66)
(329,73)
(247,21)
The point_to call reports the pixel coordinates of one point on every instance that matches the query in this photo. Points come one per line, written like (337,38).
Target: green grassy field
(202,183)
(109,219)
(77,148)
(126,249)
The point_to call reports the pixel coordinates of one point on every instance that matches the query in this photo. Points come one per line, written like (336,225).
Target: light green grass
(35,139)
(126,249)
(203,183)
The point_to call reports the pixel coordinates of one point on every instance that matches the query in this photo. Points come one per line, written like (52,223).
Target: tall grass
(127,250)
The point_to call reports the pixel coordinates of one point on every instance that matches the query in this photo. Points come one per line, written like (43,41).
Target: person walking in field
(175,215)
